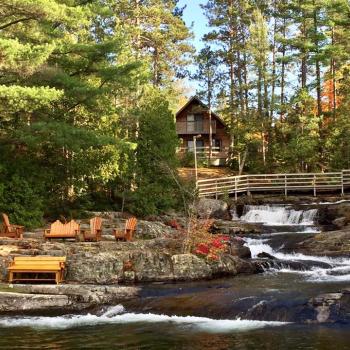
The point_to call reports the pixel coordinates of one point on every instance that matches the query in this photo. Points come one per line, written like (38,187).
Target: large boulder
(212,208)
(153,229)
(340,222)
(190,267)
(151,266)
(231,266)
(237,249)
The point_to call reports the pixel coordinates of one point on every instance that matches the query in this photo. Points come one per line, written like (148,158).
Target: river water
(265,311)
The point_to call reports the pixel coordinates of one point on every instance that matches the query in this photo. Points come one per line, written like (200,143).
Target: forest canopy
(85,91)
(88,91)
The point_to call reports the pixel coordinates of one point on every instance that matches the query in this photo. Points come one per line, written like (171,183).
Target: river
(265,311)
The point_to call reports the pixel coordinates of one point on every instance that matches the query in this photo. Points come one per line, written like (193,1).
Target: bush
(21,202)
(187,159)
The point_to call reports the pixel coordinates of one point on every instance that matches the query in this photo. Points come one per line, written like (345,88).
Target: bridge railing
(274,182)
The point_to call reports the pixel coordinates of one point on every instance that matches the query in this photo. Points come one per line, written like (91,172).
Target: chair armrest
(18,226)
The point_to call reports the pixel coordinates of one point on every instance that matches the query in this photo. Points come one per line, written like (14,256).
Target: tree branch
(15,22)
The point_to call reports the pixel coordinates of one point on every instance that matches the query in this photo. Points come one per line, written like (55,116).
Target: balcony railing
(187,128)
(203,152)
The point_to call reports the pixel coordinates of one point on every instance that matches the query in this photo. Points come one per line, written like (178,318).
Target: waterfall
(278,215)
(338,269)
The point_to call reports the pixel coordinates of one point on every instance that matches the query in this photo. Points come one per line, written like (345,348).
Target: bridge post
(235,188)
(315,194)
(342,182)
(285,186)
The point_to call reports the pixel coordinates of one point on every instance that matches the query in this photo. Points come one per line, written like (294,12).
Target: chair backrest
(95,224)
(130,224)
(66,229)
(57,227)
(6,221)
(72,227)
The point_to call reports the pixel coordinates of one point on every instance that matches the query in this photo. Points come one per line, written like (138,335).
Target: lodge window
(199,145)
(195,123)
(217,145)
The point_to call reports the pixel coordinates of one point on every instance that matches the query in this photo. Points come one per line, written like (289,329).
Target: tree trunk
(283,69)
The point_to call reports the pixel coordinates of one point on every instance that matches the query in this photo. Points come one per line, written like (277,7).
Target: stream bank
(279,239)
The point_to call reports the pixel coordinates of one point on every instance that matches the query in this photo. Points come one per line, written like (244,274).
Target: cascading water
(278,215)
(320,268)
(334,270)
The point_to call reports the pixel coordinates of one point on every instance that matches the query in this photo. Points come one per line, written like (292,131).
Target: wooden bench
(37,268)
(63,231)
(10,231)
(95,233)
(129,230)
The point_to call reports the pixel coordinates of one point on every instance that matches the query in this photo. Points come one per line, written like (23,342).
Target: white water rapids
(278,215)
(339,268)
(118,315)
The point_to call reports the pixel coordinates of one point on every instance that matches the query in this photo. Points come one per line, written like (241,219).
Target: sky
(193,14)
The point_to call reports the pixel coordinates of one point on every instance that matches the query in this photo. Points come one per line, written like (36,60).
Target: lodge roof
(197,99)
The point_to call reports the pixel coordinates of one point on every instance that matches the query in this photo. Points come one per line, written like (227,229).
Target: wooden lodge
(193,123)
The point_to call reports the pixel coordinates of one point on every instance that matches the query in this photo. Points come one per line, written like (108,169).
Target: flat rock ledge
(62,298)
(109,263)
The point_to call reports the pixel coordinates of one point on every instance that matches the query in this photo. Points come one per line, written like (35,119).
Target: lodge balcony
(193,128)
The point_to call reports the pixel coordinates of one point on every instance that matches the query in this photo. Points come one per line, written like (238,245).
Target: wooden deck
(284,183)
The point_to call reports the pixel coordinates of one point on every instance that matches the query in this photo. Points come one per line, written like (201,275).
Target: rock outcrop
(151,260)
(334,243)
(212,208)
(61,298)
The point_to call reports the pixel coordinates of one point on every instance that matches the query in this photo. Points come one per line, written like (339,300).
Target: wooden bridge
(285,183)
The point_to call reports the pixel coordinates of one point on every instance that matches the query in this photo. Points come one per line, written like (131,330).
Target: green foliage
(155,166)
(285,88)
(77,114)
(26,99)
(19,200)
(187,159)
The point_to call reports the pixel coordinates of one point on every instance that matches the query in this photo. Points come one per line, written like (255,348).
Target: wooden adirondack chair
(11,231)
(94,235)
(59,230)
(127,234)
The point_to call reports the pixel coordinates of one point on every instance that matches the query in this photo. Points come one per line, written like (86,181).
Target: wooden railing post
(285,186)
(235,188)
(342,182)
(315,186)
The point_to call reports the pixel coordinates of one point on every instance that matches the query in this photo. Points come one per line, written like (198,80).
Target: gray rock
(240,250)
(151,229)
(340,222)
(32,302)
(152,266)
(90,294)
(212,208)
(232,266)
(190,267)
(30,298)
